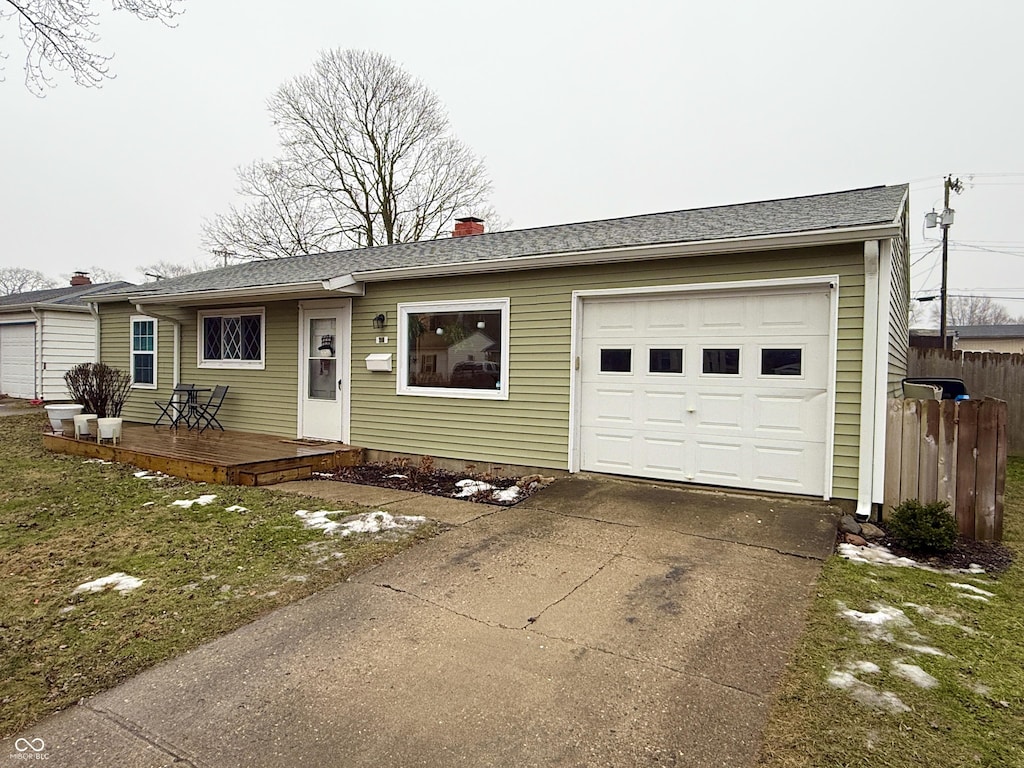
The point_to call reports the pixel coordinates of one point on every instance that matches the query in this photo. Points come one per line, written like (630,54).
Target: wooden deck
(227,458)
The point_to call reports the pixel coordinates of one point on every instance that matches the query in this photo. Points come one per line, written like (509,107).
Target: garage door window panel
(665,360)
(143,352)
(617,360)
(720,361)
(782,361)
(454,349)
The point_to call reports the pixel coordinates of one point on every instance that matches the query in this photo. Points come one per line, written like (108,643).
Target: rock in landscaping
(848,524)
(857,541)
(869,531)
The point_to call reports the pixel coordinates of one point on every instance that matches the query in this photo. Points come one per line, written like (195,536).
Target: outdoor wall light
(439,331)
(380,321)
(481,324)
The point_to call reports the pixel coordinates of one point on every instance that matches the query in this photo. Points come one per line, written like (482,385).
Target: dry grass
(206,570)
(973,717)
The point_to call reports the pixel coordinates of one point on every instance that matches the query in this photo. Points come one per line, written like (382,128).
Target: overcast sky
(581,110)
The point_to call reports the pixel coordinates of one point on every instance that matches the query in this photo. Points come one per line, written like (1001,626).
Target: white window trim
(258,365)
(502,305)
(132,351)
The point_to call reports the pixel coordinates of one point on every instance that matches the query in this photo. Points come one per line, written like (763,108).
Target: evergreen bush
(923,527)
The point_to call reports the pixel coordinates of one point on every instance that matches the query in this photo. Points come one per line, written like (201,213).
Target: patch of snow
(979,598)
(866,694)
(876,554)
(979,688)
(97,461)
(866,667)
(145,474)
(875,625)
(202,501)
(371,522)
(396,477)
(927,650)
(235,508)
(469,488)
(914,674)
(322,474)
(149,504)
(971,588)
(511,494)
(930,614)
(119,582)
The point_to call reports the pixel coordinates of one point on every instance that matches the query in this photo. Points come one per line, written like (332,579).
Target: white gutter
(868,374)
(637,253)
(95,312)
(314,289)
(176,344)
(37,352)
(882,371)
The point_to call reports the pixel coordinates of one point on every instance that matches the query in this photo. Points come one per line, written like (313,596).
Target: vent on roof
(470,225)
(81,278)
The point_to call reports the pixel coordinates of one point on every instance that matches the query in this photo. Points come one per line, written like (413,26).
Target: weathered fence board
(953,452)
(987,374)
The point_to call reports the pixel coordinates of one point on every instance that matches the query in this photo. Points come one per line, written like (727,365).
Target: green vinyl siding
(257,401)
(899,313)
(532,426)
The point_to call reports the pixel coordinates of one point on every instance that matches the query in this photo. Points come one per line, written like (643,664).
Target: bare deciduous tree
(368,159)
(975,310)
(165,270)
(60,36)
(20,280)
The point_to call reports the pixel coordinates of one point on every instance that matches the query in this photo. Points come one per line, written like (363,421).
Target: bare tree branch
(975,310)
(21,280)
(60,35)
(368,159)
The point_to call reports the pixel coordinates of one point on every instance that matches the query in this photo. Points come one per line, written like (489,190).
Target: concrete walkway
(599,623)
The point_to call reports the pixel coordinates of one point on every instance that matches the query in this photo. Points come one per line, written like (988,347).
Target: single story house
(45,333)
(990,338)
(748,346)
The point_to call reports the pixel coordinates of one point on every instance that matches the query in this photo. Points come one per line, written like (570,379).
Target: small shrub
(923,527)
(98,388)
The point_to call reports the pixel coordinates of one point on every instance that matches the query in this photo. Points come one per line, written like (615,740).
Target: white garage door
(724,389)
(17,360)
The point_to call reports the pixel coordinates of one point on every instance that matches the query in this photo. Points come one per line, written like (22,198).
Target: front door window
(323,359)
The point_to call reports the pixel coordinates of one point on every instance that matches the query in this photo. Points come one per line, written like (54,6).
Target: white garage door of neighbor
(18,360)
(723,389)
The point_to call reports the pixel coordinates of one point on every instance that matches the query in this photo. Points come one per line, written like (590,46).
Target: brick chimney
(81,278)
(470,225)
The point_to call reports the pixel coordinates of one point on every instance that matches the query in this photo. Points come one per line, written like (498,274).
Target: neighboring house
(990,338)
(45,333)
(748,346)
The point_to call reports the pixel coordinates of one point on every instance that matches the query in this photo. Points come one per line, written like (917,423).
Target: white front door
(324,374)
(722,388)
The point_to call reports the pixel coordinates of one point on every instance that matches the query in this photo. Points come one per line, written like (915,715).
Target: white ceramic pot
(109,428)
(85,423)
(57,413)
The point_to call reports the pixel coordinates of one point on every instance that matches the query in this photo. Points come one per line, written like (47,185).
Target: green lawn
(205,570)
(974,713)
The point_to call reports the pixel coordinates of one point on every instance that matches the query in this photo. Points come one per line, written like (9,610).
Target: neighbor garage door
(17,360)
(720,388)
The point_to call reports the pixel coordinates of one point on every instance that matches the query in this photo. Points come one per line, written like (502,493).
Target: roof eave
(44,306)
(311,289)
(639,253)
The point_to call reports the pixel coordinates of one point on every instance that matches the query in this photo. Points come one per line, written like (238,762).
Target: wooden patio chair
(175,409)
(206,413)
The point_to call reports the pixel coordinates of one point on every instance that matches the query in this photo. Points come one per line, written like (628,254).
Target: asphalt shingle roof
(989,331)
(74,297)
(837,210)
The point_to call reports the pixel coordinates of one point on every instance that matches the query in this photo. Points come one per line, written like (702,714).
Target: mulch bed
(993,556)
(436,482)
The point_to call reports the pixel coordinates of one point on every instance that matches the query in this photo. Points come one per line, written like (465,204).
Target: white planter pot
(57,413)
(85,425)
(108,429)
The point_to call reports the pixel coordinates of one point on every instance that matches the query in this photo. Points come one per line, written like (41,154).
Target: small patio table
(192,409)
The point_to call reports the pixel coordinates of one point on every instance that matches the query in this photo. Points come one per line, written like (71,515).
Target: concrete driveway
(600,623)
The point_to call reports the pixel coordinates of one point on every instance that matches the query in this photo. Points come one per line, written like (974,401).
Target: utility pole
(946,220)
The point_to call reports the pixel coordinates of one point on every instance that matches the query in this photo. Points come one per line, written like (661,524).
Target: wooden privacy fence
(986,374)
(941,450)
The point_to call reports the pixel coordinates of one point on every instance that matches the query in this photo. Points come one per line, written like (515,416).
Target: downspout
(868,374)
(94,310)
(37,349)
(885,288)
(176,341)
